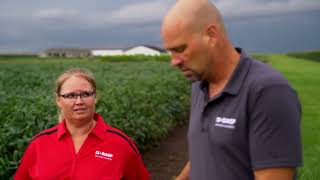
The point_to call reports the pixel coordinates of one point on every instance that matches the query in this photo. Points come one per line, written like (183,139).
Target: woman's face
(77,99)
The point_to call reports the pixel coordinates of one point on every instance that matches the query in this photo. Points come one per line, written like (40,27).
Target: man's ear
(212,34)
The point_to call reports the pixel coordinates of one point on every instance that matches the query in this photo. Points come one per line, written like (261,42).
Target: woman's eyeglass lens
(74,96)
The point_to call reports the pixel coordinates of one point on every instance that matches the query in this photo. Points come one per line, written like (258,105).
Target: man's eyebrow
(177,48)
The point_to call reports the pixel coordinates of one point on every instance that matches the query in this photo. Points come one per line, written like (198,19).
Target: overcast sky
(256,25)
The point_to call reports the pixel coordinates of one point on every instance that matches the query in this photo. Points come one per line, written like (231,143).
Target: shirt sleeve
(274,128)
(135,168)
(22,172)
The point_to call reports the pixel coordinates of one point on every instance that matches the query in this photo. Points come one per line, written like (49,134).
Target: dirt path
(169,157)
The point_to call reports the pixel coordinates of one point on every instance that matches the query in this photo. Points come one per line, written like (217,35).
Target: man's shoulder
(262,75)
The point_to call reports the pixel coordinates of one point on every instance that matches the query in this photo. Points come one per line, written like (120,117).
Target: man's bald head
(193,15)
(193,32)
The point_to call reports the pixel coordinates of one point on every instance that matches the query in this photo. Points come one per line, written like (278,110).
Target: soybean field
(144,99)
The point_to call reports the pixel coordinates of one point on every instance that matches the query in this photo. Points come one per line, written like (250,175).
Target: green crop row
(308,55)
(17,56)
(144,99)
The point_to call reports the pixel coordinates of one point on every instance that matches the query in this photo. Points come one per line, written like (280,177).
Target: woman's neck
(79,132)
(77,129)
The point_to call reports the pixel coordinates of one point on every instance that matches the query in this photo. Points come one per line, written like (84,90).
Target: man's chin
(192,78)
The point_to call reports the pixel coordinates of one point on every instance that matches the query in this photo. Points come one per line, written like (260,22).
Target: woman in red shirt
(82,146)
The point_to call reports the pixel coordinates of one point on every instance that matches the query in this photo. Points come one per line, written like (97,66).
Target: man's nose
(176,60)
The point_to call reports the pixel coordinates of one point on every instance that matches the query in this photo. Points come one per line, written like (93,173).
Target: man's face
(188,52)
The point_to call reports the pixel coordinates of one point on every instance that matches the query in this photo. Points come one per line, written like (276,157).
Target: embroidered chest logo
(225,122)
(103,155)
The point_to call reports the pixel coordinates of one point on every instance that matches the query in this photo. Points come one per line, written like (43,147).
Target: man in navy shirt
(245,117)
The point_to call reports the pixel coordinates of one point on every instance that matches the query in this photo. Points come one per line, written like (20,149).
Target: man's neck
(223,70)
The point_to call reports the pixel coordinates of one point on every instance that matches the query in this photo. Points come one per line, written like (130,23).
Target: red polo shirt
(106,154)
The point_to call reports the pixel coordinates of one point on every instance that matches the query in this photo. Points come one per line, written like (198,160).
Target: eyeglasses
(74,96)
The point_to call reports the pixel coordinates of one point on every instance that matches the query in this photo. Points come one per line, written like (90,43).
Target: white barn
(106,52)
(136,50)
(144,50)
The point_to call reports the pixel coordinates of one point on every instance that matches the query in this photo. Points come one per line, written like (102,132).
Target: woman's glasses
(74,96)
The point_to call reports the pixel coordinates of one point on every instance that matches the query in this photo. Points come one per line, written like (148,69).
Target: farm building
(75,52)
(144,50)
(107,52)
(135,50)
(66,52)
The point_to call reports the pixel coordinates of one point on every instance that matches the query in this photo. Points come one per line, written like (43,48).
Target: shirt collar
(99,130)
(62,130)
(238,76)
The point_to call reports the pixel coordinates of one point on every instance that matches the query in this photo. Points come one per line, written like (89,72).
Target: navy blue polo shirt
(253,123)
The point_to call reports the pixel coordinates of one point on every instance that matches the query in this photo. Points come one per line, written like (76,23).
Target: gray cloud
(251,8)
(35,25)
(144,12)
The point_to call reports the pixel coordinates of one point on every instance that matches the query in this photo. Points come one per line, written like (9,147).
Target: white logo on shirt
(103,155)
(225,122)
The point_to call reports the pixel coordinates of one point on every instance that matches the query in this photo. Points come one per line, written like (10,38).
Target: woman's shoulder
(112,132)
(117,134)
(120,137)
(45,133)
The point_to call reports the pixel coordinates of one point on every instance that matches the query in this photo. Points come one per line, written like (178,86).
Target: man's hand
(274,174)
(184,175)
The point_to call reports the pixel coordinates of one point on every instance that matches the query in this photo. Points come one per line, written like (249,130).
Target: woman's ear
(58,101)
(95,99)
